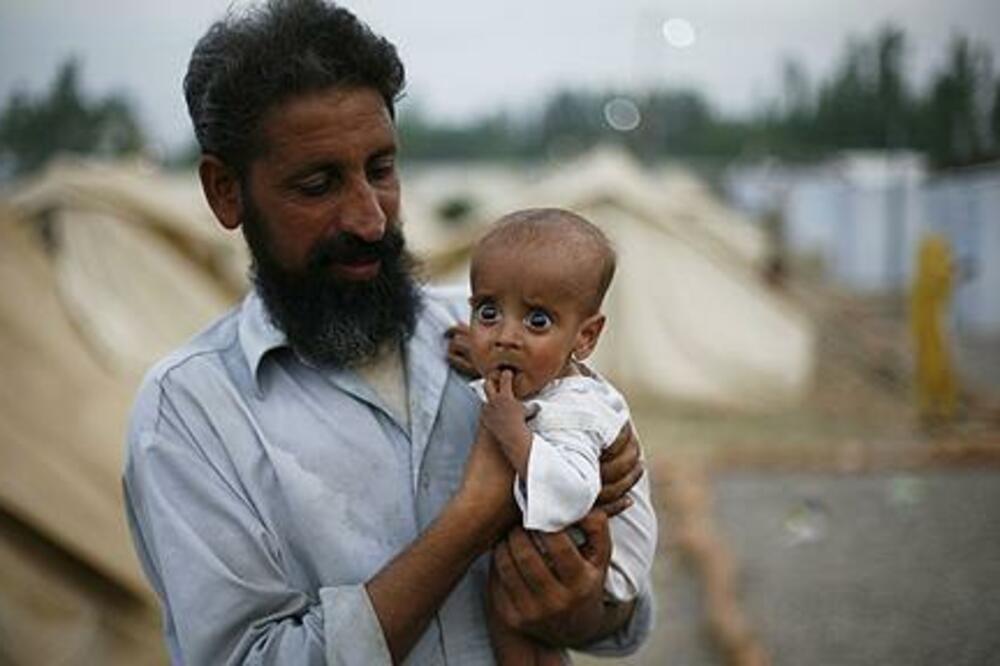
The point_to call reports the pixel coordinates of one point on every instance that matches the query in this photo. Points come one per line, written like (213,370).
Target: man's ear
(587,336)
(221,186)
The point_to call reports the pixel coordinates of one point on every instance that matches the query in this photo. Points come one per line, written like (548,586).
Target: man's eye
(538,320)
(382,170)
(487,312)
(314,186)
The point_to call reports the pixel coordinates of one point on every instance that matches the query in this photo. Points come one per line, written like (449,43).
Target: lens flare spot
(679,33)
(622,114)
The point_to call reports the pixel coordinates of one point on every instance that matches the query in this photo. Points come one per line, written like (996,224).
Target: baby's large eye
(538,320)
(487,312)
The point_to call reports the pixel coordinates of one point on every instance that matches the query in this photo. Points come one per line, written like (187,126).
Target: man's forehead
(332,118)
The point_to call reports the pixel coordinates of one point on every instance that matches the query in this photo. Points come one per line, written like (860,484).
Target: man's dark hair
(252,61)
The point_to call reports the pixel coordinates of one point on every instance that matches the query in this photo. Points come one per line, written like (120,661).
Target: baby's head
(538,280)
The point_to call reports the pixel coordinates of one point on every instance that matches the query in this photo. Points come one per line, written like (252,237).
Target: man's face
(320,214)
(328,169)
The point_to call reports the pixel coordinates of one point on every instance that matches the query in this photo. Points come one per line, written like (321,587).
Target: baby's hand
(503,415)
(459,356)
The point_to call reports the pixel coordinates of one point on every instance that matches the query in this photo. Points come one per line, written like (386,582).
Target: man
(305,480)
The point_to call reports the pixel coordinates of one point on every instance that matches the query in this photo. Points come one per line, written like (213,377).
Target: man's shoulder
(196,358)
(206,346)
(449,303)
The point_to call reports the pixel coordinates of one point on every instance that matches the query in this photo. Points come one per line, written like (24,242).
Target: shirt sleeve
(634,534)
(563,479)
(630,637)
(220,575)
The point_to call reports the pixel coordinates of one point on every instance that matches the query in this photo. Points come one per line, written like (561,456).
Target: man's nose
(361,212)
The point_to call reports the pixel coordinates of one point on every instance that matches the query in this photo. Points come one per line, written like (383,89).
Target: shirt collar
(258,334)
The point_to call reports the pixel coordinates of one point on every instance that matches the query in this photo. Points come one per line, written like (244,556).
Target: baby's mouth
(507,366)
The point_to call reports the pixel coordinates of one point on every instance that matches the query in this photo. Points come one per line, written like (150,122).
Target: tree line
(866,101)
(33,129)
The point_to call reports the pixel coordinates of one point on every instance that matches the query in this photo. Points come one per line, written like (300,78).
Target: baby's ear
(587,336)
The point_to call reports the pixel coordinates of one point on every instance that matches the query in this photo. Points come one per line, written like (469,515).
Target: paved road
(850,570)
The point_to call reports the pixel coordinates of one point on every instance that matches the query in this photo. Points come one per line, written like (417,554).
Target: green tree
(893,94)
(675,122)
(955,116)
(33,130)
(867,102)
(995,118)
(572,121)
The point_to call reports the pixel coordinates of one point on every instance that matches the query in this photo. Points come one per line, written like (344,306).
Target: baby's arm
(558,472)
(562,481)
(503,415)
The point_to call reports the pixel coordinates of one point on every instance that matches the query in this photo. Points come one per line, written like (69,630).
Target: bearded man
(306,481)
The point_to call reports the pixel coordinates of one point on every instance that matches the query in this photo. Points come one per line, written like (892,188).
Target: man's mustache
(347,248)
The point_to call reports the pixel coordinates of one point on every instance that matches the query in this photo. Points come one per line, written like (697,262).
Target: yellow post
(937,387)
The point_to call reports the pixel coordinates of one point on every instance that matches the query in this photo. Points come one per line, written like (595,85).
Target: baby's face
(526,317)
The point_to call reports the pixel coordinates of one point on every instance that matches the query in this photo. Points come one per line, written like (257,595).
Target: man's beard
(330,321)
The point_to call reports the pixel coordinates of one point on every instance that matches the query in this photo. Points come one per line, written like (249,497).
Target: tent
(689,317)
(102,270)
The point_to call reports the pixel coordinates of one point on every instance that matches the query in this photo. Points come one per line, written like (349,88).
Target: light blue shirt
(262,493)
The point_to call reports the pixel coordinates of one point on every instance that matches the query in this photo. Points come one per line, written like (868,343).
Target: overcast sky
(466,57)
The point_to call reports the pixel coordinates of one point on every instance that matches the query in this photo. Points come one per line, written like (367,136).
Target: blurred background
(805,198)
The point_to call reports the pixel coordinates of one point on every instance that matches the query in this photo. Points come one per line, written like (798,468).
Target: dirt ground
(721,477)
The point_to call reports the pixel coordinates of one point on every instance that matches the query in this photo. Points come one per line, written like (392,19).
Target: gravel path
(876,568)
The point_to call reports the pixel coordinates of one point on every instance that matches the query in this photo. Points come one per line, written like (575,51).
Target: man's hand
(621,468)
(503,415)
(556,595)
(407,591)
(486,486)
(459,356)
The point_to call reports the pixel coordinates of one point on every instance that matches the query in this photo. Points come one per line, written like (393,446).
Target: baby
(538,280)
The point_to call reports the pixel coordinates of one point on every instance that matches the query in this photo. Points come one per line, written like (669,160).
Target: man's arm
(410,589)
(221,575)
(621,468)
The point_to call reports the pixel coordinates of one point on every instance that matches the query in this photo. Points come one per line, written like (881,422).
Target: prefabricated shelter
(864,214)
(964,206)
(880,220)
(861,213)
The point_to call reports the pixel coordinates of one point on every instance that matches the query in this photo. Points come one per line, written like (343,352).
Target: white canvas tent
(689,318)
(102,269)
